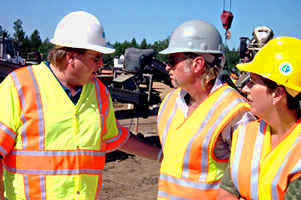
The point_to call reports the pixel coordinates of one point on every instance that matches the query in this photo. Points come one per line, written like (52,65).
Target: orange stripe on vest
(30,109)
(42,164)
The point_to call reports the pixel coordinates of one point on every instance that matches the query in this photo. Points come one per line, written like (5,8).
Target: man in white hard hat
(196,120)
(57,120)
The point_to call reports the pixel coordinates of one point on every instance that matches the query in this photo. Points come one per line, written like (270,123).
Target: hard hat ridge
(195,36)
(81,29)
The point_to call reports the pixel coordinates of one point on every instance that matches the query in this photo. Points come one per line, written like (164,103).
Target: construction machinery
(249,47)
(9,57)
(133,79)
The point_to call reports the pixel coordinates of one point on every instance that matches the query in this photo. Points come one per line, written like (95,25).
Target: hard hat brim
(98,48)
(245,67)
(183,50)
(249,67)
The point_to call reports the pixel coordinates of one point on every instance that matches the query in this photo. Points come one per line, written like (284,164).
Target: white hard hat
(195,36)
(81,30)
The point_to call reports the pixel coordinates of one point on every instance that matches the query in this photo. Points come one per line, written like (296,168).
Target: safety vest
(53,149)
(259,172)
(189,169)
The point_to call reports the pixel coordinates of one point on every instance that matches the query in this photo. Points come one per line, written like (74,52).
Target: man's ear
(278,95)
(69,57)
(198,64)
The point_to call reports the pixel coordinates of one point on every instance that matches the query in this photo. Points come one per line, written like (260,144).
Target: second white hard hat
(81,30)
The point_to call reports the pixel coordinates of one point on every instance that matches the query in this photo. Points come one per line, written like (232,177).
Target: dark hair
(269,83)
(292,102)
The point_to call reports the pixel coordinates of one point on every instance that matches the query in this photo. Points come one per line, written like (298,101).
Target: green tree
(134,43)
(159,46)
(44,48)
(143,44)
(232,58)
(35,40)
(19,34)
(4,32)
(20,39)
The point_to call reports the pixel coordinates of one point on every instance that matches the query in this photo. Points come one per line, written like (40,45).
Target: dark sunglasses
(173,60)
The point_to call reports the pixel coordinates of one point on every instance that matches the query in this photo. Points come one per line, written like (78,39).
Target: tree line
(34,43)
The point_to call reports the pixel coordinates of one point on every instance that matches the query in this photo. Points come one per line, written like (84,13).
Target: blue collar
(78,92)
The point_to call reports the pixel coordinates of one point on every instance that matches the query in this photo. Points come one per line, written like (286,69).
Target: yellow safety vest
(53,149)
(189,169)
(259,172)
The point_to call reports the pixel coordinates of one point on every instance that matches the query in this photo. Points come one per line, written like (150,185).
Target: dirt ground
(129,177)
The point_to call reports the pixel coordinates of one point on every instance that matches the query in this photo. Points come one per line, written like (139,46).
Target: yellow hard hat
(280,61)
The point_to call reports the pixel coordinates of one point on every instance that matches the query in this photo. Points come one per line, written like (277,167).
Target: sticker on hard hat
(285,68)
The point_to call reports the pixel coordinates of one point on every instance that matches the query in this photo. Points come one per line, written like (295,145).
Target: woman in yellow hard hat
(265,158)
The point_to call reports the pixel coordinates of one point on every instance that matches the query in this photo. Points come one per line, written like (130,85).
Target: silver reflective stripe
(7,131)
(21,95)
(99,187)
(205,155)
(171,197)
(43,187)
(57,153)
(204,152)
(188,183)
(3,151)
(26,187)
(185,172)
(99,104)
(256,160)
(164,105)
(165,132)
(107,95)
(275,195)
(54,172)
(124,141)
(40,111)
(103,116)
(160,114)
(237,156)
(296,169)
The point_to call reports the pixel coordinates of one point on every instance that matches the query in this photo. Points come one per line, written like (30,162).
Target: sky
(156,19)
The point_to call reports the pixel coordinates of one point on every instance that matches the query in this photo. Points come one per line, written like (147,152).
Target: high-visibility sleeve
(9,115)
(116,135)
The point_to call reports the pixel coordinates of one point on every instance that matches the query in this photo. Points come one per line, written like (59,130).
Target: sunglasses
(96,58)
(173,60)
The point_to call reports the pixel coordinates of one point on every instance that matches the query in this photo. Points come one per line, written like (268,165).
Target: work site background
(27,43)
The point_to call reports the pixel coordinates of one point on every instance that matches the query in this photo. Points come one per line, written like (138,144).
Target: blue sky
(156,19)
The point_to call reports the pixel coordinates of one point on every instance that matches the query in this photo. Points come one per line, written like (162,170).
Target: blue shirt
(76,96)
